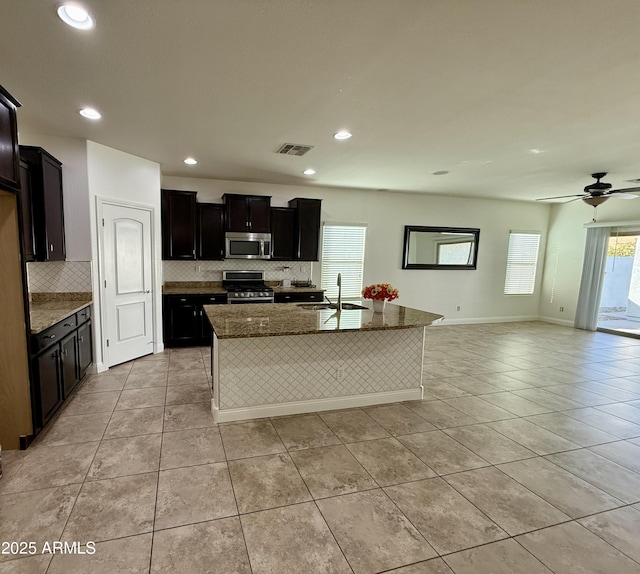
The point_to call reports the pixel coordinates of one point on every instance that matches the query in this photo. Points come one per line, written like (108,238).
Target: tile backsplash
(212,270)
(59,276)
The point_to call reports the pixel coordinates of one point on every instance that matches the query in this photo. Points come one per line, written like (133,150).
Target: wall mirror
(440,247)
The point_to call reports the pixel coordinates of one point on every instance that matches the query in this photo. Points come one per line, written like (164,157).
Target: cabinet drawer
(214,299)
(53,334)
(83,315)
(304,297)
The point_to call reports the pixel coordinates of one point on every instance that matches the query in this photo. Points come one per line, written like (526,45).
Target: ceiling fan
(595,193)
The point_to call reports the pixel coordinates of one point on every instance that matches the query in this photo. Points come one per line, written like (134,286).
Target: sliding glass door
(619,310)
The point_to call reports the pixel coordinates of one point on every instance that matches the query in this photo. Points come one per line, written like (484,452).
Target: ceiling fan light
(595,201)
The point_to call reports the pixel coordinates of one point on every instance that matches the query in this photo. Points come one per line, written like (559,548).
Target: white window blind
(343,252)
(521,263)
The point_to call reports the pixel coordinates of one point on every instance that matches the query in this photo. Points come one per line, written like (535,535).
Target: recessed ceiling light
(441,172)
(90,113)
(342,135)
(536,151)
(76,16)
(191,161)
(309,171)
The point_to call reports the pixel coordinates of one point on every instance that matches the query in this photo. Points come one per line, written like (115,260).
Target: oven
(246,287)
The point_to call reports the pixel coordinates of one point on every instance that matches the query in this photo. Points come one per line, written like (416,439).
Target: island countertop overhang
(273,319)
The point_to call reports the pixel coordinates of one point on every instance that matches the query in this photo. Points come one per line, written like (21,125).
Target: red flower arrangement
(380,292)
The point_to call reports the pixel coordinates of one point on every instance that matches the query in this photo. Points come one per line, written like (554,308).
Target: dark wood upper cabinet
(250,213)
(210,231)
(307,228)
(178,224)
(9,155)
(47,208)
(282,228)
(26,213)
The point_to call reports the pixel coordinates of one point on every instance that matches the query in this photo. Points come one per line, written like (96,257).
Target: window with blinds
(521,262)
(343,252)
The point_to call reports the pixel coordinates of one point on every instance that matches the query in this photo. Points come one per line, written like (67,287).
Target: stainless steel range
(246,287)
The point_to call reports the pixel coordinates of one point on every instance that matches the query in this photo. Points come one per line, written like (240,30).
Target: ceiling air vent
(294,149)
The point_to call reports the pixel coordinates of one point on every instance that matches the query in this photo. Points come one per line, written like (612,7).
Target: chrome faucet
(337,306)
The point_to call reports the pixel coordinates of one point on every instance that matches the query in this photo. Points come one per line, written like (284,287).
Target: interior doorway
(619,310)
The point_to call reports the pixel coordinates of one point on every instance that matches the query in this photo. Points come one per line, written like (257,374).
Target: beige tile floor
(523,458)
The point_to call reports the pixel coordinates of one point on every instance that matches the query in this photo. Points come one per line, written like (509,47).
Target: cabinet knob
(51,247)
(49,336)
(81,339)
(68,325)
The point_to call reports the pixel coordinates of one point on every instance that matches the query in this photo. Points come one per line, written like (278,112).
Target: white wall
(117,175)
(565,252)
(72,152)
(479,293)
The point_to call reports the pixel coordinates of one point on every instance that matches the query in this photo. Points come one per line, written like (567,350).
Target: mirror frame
(468,230)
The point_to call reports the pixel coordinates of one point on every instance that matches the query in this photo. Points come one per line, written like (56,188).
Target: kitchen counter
(45,313)
(215,288)
(193,288)
(280,289)
(268,320)
(274,360)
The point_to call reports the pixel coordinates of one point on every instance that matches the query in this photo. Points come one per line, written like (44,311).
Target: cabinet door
(85,348)
(53,209)
(259,214)
(47,377)
(9,167)
(205,329)
(282,226)
(69,362)
(210,231)
(183,322)
(307,229)
(236,213)
(178,224)
(26,212)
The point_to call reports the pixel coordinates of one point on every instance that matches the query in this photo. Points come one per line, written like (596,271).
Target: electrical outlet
(340,373)
(561,309)
(458,308)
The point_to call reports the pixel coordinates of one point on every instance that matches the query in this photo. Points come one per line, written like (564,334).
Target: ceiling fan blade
(625,190)
(562,197)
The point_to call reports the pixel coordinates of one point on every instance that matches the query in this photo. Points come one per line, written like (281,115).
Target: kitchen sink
(314,306)
(322,306)
(351,306)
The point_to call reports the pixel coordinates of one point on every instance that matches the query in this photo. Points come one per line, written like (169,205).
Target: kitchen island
(274,359)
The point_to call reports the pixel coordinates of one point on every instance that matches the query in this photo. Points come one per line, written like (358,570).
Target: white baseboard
(97,368)
(313,405)
(158,348)
(553,320)
(477,320)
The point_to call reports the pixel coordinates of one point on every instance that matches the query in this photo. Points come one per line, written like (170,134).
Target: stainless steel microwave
(247,245)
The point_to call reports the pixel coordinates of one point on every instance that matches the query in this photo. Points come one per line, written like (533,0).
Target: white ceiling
(468,86)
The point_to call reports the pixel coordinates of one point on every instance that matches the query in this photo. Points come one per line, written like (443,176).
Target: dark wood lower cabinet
(185,323)
(46,372)
(299,297)
(70,365)
(85,348)
(61,355)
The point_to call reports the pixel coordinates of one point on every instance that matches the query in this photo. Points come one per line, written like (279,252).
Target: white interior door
(127,284)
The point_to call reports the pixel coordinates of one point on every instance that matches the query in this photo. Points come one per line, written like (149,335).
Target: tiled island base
(280,375)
